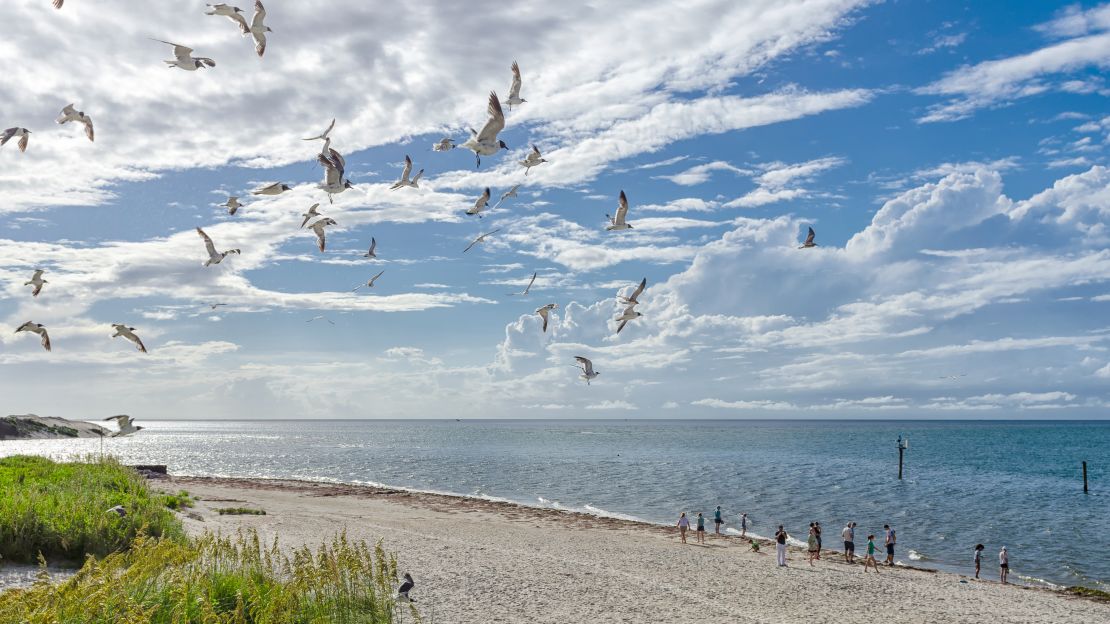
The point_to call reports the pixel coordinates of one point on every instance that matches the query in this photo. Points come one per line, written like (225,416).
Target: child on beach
(701,528)
(811,542)
(1003,565)
(978,558)
(755,547)
(717,520)
(869,561)
(683,524)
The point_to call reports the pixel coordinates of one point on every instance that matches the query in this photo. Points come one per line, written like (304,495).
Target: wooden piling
(1085,478)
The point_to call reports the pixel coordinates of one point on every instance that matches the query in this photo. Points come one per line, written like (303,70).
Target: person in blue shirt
(717,520)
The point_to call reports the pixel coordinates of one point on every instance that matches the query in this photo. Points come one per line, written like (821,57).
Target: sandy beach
(483,561)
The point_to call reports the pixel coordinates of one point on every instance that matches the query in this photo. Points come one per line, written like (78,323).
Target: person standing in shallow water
(849,535)
(701,528)
(1003,565)
(978,558)
(743,525)
(717,520)
(683,524)
(811,542)
(890,539)
(780,546)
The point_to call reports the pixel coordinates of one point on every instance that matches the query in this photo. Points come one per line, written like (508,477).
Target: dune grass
(240,511)
(60,509)
(219,580)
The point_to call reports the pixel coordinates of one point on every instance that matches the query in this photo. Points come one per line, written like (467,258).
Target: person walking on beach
(683,524)
(849,535)
(869,560)
(1003,565)
(817,531)
(890,539)
(978,558)
(717,520)
(812,543)
(743,525)
(780,546)
(701,528)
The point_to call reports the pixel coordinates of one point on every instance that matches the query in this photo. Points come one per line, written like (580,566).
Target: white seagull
(36,328)
(318,227)
(526,288)
(633,299)
(37,282)
(184,59)
(214,257)
(373,245)
(480,239)
(369,284)
(587,368)
(532,160)
(232,204)
(543,312)
(445,144)
(232,13)
(334,167)
(311,214)
(629,314)
(618,222)
(23,133)
(323,136)
(277,188)
(128,333)
(126,425)
(809,240)
(480,204)
(405,181)
(486,143)
(258,30)
(507,194)
(69,113)
(514,88)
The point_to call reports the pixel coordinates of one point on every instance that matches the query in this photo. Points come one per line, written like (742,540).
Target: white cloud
(700,174)
(611,405)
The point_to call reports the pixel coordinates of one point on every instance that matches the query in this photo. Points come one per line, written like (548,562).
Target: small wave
(604,513)
(1032,580)
(916,556)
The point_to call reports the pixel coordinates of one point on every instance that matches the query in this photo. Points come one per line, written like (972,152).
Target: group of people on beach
(813,543)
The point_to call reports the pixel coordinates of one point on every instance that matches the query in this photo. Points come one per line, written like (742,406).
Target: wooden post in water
(1085,478)
(902,446)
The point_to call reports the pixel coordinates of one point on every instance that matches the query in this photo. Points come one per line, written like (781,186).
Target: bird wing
(543,314)
(120,418)
(64,116)
(138,342)
(509,193)
(496,122)
(514,89)
(373,244)
(339,161)
(416,178)
(622,209)
(311,213)
(23,142)
(331,172)
(37,275)
(325,133)
(483,200)
(208,243)
(7,136)
(375,278)
(180,52)
(259,41)
(472,243)
(530,282)
(639,289)
(88,127)
(259,16)
(408,168)
(321,240)
(621,326)
(810,236)
(58,3)
(240,20)
(535,153)
(587,366)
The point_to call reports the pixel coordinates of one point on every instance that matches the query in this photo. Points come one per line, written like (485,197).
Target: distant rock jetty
(32,427)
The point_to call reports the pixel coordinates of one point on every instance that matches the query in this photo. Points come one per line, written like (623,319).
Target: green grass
(240,511)
(23,426)
(1087,592)
(178,501)
(60,509)
(218,580)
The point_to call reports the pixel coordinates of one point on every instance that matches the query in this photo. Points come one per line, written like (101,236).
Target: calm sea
(1017,484)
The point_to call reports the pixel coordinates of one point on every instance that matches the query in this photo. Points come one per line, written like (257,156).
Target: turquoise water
(1016,484)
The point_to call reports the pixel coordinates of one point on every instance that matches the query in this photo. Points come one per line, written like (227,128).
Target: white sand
(476,561)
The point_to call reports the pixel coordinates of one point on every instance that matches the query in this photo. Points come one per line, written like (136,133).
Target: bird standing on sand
(480,204)
(69,113)
(318,227)
(480,239)
(23,133)
(36,282)
(544,311)
(405,588)
(183,58)
(445,144)
(214,257)
(36,328)
(258,30)
(128,333)
(311,214)
(618,222)
(633,299)
(809,240)
(233,13)
(232,204)
(532,160)
(507,194)
(486,143)
(629,314)
(373,245)
(277,188)
(514,88)
(587,368)
(369,284)
(334,167)
(405,181)
(126,425)
(526,288)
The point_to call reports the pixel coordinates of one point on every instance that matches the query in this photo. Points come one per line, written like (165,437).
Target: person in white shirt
(849,535)
(1003,565)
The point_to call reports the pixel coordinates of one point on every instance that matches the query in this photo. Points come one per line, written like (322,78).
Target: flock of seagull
(482,143)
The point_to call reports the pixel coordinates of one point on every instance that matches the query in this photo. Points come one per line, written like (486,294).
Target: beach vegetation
(1087,592)
(240,511)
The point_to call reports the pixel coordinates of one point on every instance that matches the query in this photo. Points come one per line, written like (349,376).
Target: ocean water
(1015,483)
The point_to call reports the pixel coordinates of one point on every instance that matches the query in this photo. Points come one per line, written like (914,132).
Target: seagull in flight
(486,143)
(318,227)
(258,30)
(633,299)
(514,88)
(334,166)
(323,136)
(405,181)
(126,425)
(809,240)
(618,222)
(507,194)
(406,587)
(480,239)
(277,188)
(214,257)
(37,282)
(310,215)
(587,368)
(480,204)
(58,3)
(369,284)
(444,144)
(23,133)
(69,113)
(36,328)
(216,305)
(543,311)
(533,159)
(231,12)
(629,314)
(232,204)
(184,59)
(320,317)
(373,246)
(526,288)
(128,333)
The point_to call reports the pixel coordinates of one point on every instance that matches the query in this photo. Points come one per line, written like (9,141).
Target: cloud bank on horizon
(954,167)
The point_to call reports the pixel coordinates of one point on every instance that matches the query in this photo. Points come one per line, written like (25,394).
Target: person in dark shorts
(978,558)
(717,520)
(743,525)
(817,530)
(890,539)
(849,535)
(1003,565)
(701,528)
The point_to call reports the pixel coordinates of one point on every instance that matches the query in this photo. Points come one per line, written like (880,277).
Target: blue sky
(950,155)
